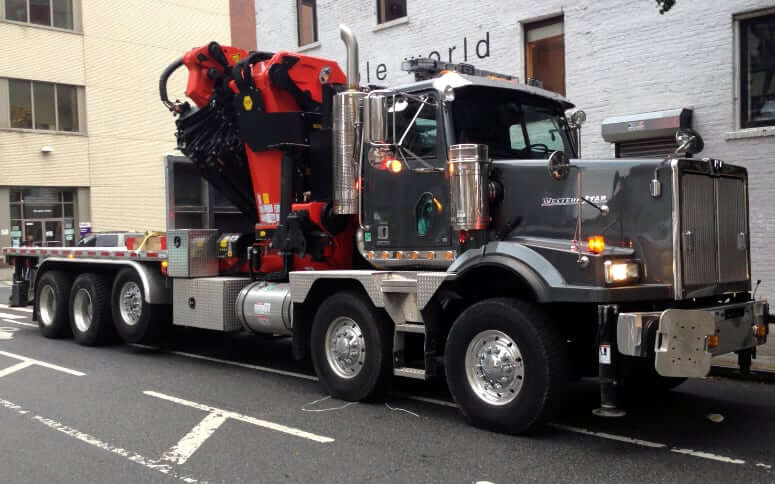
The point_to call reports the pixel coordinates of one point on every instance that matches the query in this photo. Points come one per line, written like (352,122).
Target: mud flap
(681,344)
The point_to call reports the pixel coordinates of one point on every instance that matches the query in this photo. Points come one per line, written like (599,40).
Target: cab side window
(420,146)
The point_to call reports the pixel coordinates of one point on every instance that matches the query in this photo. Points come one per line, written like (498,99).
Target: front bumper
(683,341)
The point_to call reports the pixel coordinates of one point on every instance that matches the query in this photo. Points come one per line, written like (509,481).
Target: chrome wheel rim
(47,305)
(345,347)
(494,367)
(131,303)
(83,310)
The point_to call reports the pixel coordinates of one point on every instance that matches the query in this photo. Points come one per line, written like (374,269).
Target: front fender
(538,273)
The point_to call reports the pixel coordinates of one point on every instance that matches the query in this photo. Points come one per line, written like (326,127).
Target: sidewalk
(6,275)
(765,357)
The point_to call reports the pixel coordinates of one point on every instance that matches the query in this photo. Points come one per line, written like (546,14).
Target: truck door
(405,192)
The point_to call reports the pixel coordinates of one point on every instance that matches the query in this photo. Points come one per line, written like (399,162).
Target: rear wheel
(90,318)
(53,291)
(136,320)
(351,347)
(506,366)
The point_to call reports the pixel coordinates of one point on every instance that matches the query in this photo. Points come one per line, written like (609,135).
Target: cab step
(405,371)
(410,328)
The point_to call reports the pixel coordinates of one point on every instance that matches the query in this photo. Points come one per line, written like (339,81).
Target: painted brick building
(617,60)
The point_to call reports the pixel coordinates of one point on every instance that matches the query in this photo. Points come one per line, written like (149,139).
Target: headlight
(621,271)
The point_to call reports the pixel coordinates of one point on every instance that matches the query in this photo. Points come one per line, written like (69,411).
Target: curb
(733,373)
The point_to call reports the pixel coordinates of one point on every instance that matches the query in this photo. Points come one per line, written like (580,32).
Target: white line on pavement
(14,368)
(232,363)
(20,323)
(95,442)
(127,454)
(435,401)
(185,448)
(243,418)
(603,435)
(43,364)
(11,316)
(24,310)
(707,455)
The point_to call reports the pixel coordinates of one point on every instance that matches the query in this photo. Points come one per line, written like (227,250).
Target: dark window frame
(744,77)
(314,5)
(537,24)
(51,17)
(57,107)
(382,19)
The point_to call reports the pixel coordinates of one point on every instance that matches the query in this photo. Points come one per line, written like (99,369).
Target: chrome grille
(732,229)
(713,233)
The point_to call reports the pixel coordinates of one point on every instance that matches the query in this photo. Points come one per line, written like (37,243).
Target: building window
(41,105)
(757,71)
(545,54)
(307,13)
(388,10)
(51,13)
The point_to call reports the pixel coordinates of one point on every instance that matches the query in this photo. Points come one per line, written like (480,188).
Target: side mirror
(558,165)
(689,142)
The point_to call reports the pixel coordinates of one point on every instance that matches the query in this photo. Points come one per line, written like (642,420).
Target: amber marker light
(164,265)
(394,166)
(596,244)
(712,341)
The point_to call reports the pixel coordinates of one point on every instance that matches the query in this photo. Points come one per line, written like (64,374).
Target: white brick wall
(622,57)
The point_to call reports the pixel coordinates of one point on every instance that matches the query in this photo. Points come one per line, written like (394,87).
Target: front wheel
(351,347)
(506,365)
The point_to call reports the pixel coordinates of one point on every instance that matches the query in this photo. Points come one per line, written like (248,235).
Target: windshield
(511,124)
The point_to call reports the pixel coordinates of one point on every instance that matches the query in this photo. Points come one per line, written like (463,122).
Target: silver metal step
(399,284)
(405,371)
(410,328)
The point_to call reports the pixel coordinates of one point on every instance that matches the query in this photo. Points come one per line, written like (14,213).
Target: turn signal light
(712,341)
(761,330)
(164,265)
(596,244)
(394,166)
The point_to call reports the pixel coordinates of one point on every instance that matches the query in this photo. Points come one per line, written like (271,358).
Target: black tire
(152,322)
(90,319)
(52,296)
(372,379)
(542,353)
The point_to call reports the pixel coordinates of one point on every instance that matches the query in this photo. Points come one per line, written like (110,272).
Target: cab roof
(456,80)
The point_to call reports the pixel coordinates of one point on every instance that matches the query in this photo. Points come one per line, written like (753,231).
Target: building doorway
(43,217)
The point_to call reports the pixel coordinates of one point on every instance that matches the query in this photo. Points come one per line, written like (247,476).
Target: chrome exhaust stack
(353,76)
(348,120)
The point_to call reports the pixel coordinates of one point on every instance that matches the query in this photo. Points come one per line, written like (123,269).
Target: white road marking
(33,361)
(243,418)
(233,363)
(766,466)
(603,435)
(127,454)
(31,325)
(24,310)
(435,401)
(14,368)
(707,455)
(11,316)
(185,448)
(95,442)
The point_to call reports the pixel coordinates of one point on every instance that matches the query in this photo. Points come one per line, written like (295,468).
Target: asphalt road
(216,408)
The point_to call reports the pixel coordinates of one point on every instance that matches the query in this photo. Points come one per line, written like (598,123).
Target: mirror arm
(411,123)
